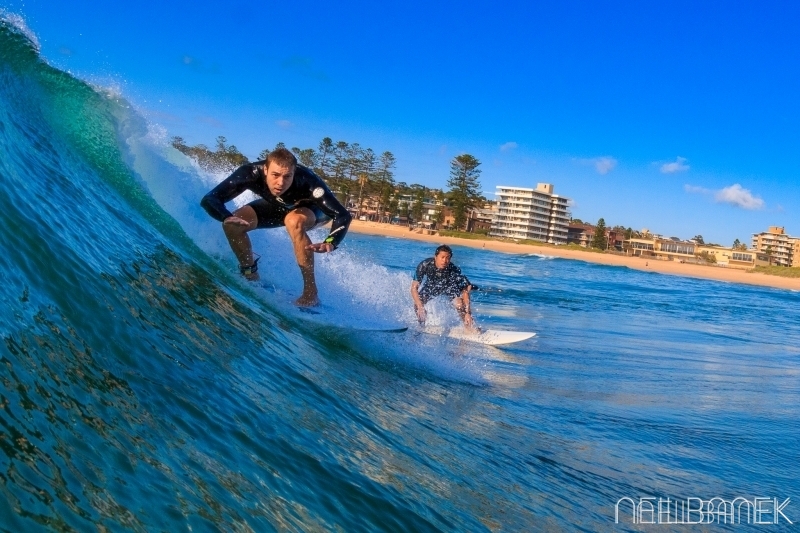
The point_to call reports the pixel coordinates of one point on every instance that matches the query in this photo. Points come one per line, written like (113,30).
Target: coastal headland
(674,268)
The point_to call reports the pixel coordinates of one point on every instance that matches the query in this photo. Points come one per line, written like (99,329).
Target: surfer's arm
(227,190)
(465,309)
(341,217)
(419,307)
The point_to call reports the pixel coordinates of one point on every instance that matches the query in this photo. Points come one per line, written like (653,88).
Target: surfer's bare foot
(307,300)
(252,277)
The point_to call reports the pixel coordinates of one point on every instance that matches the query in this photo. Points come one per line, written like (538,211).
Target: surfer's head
(442,256)
(279,169)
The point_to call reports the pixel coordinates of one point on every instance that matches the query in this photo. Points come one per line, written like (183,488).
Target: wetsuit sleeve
(227,190)
(341,217)
(420,273)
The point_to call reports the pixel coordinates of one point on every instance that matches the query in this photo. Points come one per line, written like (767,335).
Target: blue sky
(680,117)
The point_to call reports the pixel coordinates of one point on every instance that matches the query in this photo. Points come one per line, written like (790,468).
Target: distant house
(479,220)
(581,234)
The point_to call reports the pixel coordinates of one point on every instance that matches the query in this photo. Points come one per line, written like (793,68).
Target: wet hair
(443,248)
(282,157)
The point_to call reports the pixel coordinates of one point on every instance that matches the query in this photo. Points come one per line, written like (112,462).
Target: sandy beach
(674,268)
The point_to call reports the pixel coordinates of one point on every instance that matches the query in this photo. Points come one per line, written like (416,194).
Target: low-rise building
(479,220)
(659,247)
(583,234)
(580,234)
(729,257)
(672,248)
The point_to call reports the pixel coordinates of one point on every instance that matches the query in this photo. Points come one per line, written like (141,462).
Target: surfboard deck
(491,337)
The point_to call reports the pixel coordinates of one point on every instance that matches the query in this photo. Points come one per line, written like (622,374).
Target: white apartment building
(535,214)
(783,249)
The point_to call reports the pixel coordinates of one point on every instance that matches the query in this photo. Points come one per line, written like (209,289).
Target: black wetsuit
(449,281)
(307,190)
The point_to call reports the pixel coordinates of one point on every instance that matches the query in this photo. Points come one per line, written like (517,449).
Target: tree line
(355,173)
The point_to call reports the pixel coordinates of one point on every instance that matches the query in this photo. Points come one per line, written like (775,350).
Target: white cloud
(285,124)
(679,165)
(738,196)
(507,147)
(604,165)
(695,189)
(735,195)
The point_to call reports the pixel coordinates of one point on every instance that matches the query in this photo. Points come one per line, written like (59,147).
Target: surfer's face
(441,260)
(279,178)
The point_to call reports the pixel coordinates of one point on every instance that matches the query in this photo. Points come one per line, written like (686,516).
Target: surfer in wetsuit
(291,196)
(438,275)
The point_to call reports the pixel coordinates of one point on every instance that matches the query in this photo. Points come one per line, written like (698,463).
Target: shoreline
(730,275)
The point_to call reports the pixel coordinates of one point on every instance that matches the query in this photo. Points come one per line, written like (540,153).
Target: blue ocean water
(146,387)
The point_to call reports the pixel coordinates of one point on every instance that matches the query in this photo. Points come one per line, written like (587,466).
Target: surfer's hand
(421,314)
(235,221)
(321,248)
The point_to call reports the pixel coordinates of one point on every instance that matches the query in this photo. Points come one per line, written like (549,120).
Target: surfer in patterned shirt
(437,275)
(291,196)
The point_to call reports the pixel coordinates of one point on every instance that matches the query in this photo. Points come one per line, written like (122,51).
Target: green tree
(698,239)
(384,178)
(324,156)
(306,157)
(464,187)
(418,207)
(262,155)
(599,241)
(223,159)
(707,257)
(439,216)
(393,208)
(403,210)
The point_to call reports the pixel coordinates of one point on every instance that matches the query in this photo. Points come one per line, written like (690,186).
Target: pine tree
(599,240)
(418,206)
(464,187)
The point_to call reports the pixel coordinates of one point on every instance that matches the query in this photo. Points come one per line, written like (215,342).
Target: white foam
(19,24)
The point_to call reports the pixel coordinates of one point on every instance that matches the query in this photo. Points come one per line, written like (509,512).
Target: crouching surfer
(292,196)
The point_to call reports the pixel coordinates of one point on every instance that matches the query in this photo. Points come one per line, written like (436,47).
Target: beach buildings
(780,248)
(583,234)
(533,214)
(672,249)
(723,256)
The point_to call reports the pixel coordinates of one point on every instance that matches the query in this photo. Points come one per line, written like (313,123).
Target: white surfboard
(492,337)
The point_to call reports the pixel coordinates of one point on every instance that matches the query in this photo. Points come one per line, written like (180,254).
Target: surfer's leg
(240,242)
(297,223)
